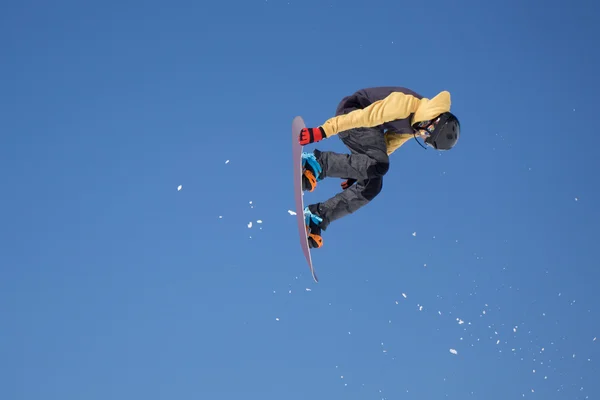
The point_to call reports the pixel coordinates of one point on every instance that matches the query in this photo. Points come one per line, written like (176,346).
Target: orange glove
(347,183)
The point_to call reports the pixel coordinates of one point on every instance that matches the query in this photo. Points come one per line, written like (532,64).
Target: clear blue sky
(115,285)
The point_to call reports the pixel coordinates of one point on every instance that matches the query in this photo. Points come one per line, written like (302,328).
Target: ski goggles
(428,127)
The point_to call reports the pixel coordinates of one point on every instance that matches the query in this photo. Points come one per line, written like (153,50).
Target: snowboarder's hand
(347,183)
(311,135)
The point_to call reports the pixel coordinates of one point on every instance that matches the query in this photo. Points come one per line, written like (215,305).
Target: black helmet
(445,133)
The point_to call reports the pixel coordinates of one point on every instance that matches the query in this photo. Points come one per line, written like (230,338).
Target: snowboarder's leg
(348,201)
(367,164)
(368,158)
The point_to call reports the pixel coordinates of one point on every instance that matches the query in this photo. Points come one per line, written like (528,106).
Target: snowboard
(297,125)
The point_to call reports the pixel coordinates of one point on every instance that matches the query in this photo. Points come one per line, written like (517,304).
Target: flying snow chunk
(259,221)
(276,319)
(227,162)
(308,290)
(179,187)
(453,351)
(414,233)
(291,212)
(249,224)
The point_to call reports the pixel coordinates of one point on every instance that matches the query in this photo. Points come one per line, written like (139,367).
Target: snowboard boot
(313,229)
(311,172)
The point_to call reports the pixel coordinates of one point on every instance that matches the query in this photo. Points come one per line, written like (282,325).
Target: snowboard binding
(311,171)
(313,229)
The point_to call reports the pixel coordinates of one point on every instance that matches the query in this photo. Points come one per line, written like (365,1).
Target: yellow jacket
(396,109)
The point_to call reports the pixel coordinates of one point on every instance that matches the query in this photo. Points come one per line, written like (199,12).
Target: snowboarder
(372,123)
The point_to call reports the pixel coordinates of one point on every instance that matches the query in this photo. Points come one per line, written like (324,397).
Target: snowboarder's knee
(382,167)
(382,162)
(372,188)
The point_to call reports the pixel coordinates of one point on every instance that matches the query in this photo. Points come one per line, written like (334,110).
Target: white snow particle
(291,212)
(220,217)
(453,351)
(259,221)
(414,233)
(404,295)
(227,162)
(276,319)
(250,224)
(179,187)
(308,290)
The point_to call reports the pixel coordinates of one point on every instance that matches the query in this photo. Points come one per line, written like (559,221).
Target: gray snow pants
(367,162)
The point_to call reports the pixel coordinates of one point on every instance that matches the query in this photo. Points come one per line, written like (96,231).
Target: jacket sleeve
(395,106)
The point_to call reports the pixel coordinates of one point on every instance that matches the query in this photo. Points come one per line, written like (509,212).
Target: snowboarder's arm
(395,106)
